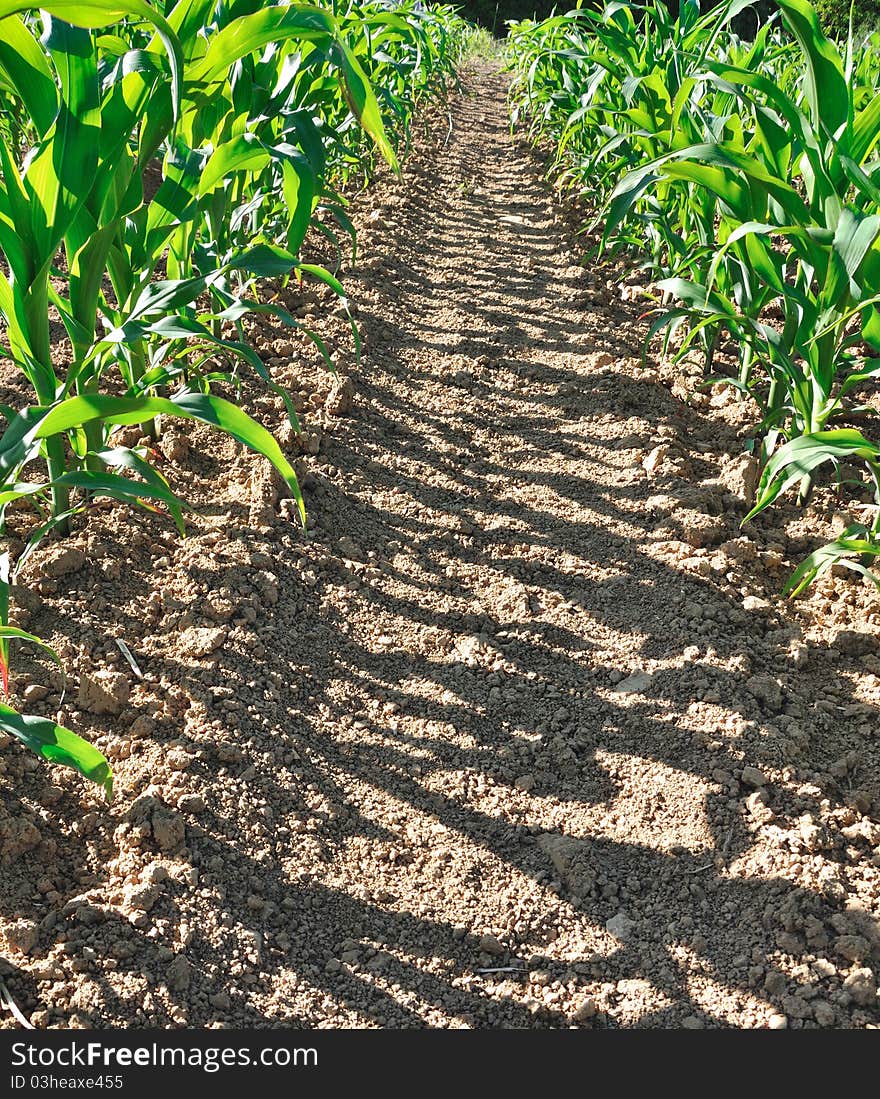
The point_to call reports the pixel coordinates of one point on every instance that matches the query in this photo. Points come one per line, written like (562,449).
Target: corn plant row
(745,174)
(156,163)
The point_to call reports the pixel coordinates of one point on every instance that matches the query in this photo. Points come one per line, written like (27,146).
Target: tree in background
(493,14)
(834,15)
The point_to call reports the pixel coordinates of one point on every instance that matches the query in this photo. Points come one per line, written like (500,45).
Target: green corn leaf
(866,131)
(802,455)
(16,238)
(103,13)
(4,619)
(364,106)
(300,194)
(12,633)
(871,327)
(698,297)
(249,33)
(853,237)
(122,488)
(265,260)
(278,23)
(826,87)
(246,152)
(59,745)
(24,65)
(175,328)
(75,412)
(854,542)
(61,172)
(166,296)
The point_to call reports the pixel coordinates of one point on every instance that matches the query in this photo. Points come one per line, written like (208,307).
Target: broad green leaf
(59,745)
(802,455)
(96,14)
(25,66)
(76,412)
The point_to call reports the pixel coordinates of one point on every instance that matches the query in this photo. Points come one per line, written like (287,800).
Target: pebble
(654,461)
(766,690)
(800,654)
(341,396)
(490,944)
(862,986)
(177,760)
(253,944)
(796,1007)
(778,1022)
(573,860)
(142,726)
(175,448)
(22,935)
(103,692)
(191,803)
(168,830)
(585,1010)
(154,874)
(823,968)
(201,640)
(178,974)
(636,683)
(141,898)
(51,795)
(349,549)
(854,948)
(470,648)
(740,476)
(68,560)
(751,776)
(810,833)
(621,926)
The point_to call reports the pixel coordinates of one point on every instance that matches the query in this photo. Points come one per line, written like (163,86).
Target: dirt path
(513,739)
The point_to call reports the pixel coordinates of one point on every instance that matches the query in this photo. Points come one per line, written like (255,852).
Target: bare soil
(519,734)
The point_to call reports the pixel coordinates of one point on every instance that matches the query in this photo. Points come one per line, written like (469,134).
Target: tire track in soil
(484,762)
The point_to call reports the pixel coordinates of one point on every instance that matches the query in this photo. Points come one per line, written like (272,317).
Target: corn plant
(248,114)
(745,173)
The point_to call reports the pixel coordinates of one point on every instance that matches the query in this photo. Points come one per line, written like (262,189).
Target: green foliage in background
(834,15)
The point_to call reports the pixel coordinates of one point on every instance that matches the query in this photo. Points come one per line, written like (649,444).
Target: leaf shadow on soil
(692,885)
(369,746)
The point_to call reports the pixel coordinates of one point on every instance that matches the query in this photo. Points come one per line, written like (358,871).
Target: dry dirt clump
(518,734)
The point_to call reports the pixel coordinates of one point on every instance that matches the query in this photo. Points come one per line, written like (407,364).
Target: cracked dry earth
(519,734)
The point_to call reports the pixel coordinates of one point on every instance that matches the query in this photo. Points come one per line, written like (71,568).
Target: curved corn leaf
(802,455)
(76,412)
(854,542)
(59,745)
